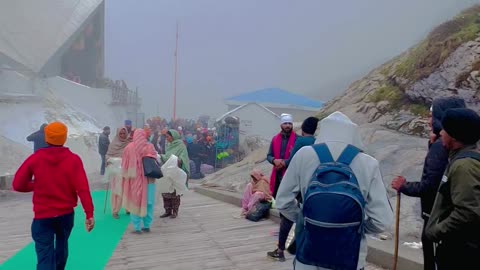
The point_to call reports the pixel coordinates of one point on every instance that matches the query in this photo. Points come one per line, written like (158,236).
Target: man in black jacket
(433,169)
(38,138)
(103,143)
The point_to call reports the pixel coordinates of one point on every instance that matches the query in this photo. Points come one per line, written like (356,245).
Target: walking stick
(397,229)
(106,198)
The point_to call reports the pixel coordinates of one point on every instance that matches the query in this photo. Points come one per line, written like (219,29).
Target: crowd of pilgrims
(191,143)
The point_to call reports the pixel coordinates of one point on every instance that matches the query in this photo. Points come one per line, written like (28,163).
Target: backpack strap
(323,153)
(467,154)
(348,154)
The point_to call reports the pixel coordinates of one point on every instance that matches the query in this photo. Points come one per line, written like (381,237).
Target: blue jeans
(51,241)
(147,220)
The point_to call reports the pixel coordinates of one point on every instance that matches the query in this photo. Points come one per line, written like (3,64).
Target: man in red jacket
(57,178)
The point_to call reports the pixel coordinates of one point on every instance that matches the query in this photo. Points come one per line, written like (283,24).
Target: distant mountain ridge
(398,94)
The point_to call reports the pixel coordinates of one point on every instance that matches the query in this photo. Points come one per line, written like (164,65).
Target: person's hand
(433,137)
(89,224)
(283,163)
(398,182)
(277,163)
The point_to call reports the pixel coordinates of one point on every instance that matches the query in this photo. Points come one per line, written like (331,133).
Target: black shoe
(146,230)
(276,255)
(165,215)
(136,232)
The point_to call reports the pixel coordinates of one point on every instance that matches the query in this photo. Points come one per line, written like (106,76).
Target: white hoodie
(337,131)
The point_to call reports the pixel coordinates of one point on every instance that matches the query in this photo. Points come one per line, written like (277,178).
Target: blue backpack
(330,229)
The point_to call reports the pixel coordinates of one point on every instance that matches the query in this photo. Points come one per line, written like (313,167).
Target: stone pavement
(204,236)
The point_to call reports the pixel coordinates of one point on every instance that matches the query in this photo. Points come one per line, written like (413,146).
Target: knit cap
(56,134)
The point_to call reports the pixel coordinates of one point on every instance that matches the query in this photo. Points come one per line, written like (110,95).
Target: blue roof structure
(277,96)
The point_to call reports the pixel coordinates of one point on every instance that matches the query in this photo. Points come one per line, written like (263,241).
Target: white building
(278,101)
(52,68)
(254,120)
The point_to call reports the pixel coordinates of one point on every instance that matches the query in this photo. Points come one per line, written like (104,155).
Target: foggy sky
(227,47)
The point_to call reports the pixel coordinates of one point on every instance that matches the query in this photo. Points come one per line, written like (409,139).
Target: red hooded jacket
(59,179)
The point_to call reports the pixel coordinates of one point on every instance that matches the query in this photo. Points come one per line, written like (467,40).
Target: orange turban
(56,134)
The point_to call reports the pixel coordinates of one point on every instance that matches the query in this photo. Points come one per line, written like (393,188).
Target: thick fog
(313,47)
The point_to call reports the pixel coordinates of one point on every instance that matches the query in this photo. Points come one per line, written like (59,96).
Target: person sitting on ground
(256,191)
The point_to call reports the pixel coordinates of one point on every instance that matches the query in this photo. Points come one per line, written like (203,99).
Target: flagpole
(175,79)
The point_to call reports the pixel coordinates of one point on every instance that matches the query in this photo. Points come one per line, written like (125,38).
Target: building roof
(243,106)
(278,97)
(33,32)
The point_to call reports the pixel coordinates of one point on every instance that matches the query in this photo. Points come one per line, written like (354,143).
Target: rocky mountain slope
(395,99)
(398,94)
(13,155)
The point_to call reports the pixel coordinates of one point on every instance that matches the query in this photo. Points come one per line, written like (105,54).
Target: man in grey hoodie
(337,131)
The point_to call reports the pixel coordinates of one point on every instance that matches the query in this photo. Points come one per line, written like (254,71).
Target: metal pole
(175,79)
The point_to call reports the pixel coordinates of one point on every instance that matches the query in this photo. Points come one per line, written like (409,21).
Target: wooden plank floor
(15,222)
(205,236)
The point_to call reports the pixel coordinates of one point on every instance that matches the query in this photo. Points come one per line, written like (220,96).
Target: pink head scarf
(135,181)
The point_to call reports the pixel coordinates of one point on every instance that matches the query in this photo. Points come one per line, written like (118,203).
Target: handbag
(260,211)
(151,168)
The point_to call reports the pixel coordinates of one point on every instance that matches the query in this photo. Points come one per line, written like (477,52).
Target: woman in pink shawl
(256,191)
(139,191)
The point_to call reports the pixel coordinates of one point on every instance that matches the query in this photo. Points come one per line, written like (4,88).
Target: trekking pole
(397,229)
(106,198)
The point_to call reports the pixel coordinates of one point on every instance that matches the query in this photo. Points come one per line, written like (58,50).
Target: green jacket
(455,216)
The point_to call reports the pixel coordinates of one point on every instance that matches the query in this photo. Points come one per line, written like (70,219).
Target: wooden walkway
(15,223)
(205,236)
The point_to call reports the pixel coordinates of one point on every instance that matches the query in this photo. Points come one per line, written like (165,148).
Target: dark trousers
(428,250)
(171,202)
(51,241)
(102,167)
(278,180)
(198,163)
(285,227)
(456,255)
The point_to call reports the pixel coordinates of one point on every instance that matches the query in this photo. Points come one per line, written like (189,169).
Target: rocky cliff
(394,99)
(398,94)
